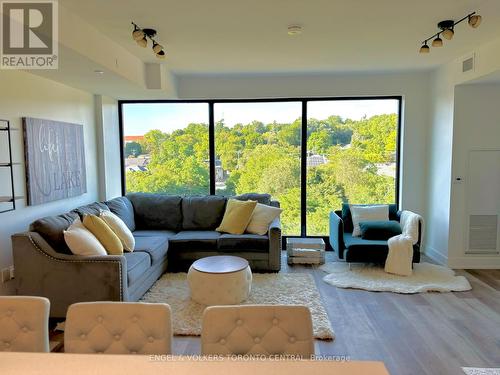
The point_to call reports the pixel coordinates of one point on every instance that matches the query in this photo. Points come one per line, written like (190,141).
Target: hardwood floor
(431,333)
(419,334)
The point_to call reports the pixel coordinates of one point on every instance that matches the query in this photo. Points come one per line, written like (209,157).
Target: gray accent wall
(27,95)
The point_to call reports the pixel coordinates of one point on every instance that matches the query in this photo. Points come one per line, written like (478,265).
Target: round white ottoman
(220,280)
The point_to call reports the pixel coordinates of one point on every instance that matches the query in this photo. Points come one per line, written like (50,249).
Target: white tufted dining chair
(258,330)
(118,328)
(24,324)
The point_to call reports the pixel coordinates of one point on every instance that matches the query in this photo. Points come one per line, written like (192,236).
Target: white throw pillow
(367,213)
(81,241)
(121,230)
(263,215)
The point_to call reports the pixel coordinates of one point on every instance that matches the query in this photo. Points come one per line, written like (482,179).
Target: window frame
(303,146)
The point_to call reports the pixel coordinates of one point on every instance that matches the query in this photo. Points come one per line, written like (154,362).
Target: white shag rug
(481,371)
(426,277)
(267,288)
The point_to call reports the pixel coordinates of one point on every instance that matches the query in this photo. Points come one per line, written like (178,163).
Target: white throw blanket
(400,256)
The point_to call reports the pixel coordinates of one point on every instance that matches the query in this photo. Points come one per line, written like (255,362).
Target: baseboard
(436,256)
(475,262)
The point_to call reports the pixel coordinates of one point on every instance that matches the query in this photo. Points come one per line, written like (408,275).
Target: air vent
(483,230)
(468,64)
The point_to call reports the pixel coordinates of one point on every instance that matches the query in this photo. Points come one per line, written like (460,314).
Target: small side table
(220,280)
(305,250)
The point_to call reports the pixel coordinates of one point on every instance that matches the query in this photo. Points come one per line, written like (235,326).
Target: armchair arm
(420,226)
(275,245)
(66,279)
(337,234)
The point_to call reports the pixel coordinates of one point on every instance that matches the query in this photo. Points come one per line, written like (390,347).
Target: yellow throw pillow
(119,228)
(104,234)
(237,216)
(262,217)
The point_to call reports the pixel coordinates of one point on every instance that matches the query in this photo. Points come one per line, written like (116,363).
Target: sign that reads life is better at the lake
(55,160)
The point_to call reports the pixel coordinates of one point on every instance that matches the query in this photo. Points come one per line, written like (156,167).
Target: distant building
(138,164)
(316,160)
(133,138)
(220,174)
(386,169)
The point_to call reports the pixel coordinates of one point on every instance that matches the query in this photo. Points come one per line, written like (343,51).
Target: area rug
(270,288)
(481,371)
(426,277)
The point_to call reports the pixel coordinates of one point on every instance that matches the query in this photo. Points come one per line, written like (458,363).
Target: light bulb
(157,48)
(438,42)
(137,34)
(142,42)
(448,34)
(161,54)
(475,20)
(425,49)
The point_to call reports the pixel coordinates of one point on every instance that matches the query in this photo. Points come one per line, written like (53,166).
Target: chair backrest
(118,328)
(258,330)
(24,324)
(346,216)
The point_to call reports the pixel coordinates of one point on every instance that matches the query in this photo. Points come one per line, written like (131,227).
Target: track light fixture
(141,37)
(447,30)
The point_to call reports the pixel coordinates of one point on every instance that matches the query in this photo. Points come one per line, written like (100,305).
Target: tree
(265,158)
(132,149)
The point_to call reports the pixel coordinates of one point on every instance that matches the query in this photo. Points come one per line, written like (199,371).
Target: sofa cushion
(352,242)
(104,234)
(260,198)
(237,216)
(243,242)
(137,264)
(195,240)
(51,229)
(91,209)
(155,247)
(153,233)
(347,218)
(122,207)
(156,211)
(202,213)
(81,241)
(119,227)
(379,230)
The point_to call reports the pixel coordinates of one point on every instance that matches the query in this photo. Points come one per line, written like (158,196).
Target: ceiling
(245,37)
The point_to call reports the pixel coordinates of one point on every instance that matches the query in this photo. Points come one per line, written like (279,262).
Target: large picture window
(310,154)
(166,147)
(351,156)
(257,149)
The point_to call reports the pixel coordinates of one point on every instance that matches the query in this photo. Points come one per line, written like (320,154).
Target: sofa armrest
(275,245)
(337,234)
(66,279)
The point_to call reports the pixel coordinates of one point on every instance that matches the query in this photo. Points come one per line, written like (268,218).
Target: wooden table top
(76,364)
(220,264)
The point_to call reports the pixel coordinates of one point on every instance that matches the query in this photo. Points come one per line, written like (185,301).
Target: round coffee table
(220,280)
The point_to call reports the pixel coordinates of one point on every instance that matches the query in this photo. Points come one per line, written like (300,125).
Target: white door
(483,202)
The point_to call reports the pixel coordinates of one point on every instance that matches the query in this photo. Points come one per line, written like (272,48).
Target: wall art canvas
(55,160)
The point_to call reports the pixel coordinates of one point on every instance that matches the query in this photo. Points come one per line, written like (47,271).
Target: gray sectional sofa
(170,232)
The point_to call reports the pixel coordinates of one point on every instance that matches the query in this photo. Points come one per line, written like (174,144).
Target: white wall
(108,134)
(440,142)
(449,136)
(414,87)
(27,95)
(476,127)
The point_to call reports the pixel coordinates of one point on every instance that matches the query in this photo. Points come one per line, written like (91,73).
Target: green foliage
(266,159)
(132,149)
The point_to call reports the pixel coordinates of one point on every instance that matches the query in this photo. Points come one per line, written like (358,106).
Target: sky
(139,118)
